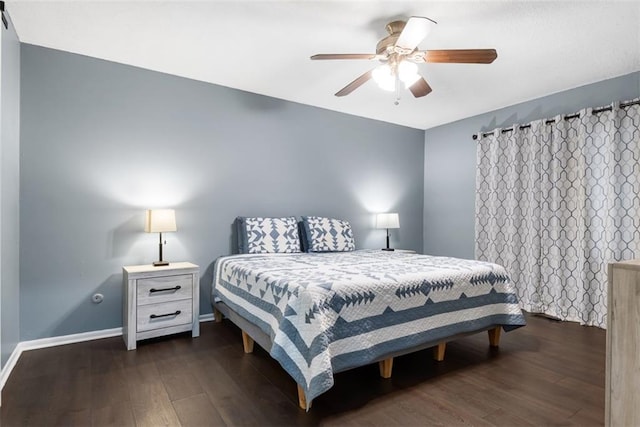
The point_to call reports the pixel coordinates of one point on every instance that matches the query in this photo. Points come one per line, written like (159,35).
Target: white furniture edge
(62,340)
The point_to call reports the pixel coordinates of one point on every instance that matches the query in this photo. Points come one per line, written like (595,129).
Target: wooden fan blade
(415,30)
(354,84)
(345,56)
(420,88)
(466,56)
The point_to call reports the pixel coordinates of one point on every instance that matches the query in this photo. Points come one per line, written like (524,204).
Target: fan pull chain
(397,101)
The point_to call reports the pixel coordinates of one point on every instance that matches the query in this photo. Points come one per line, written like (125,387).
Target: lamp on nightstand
(160,221)
(387,220)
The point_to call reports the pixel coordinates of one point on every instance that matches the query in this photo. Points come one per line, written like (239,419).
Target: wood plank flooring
(547,373)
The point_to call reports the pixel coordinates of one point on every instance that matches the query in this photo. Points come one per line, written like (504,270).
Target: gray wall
(9,190)
(101,142)
(450,159)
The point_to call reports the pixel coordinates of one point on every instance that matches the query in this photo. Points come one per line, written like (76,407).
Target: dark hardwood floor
(547,373)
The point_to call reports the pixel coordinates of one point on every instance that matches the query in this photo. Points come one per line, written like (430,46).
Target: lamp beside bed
(387,220)
(160,221)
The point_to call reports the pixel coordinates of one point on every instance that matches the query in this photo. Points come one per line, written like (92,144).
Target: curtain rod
(4,19)
(569,117)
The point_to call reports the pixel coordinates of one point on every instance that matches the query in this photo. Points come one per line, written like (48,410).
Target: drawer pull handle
(155,316)
(175,288)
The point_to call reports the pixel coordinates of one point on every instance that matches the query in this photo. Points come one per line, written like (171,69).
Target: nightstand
(159,301)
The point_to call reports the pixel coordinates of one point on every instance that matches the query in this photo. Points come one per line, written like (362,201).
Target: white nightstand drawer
(168,288)
(156,316)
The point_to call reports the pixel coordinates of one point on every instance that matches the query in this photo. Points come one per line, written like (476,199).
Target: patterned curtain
(556,201)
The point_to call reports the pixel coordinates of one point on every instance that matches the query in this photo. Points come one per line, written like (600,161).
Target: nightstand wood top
(150,268)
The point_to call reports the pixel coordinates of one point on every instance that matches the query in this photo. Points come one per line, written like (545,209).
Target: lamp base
(388,249)
(160,263)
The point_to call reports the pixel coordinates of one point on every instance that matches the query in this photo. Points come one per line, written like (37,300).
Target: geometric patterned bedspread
(328,312)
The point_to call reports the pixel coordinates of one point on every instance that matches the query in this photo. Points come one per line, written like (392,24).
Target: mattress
(328,312)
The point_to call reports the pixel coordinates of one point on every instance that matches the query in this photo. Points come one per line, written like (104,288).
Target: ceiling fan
(399,55)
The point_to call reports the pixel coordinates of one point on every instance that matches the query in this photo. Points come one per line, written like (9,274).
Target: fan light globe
(384,78)
(408,73)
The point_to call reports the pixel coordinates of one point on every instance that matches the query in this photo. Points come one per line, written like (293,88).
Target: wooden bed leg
(217,315)
(438,351)
(247,342)
(494,336)
(302,399)
(386,366)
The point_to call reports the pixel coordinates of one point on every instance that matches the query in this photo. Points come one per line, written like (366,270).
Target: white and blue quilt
(328,312)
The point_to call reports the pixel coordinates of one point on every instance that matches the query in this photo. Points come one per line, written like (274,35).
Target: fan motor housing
(394,29)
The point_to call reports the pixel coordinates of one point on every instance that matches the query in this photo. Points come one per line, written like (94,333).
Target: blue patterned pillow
(258,235)
(327,234)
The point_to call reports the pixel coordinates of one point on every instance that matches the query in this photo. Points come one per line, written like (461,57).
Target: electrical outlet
(97,298)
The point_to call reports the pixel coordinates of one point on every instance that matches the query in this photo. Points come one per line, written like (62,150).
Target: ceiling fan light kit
(385,76)
(399,55)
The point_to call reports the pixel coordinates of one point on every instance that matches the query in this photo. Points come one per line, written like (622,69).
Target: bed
(323,312)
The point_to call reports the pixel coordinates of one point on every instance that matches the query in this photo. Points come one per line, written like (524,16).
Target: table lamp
(160,221)
(387,220)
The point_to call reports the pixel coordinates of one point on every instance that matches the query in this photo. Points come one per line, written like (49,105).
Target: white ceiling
(264,47)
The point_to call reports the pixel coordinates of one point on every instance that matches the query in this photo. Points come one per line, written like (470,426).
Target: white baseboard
(62,340)
(8,367)
(70,339)
(206,317)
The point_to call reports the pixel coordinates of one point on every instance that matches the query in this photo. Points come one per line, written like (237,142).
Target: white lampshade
(387,220)
(160,221)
